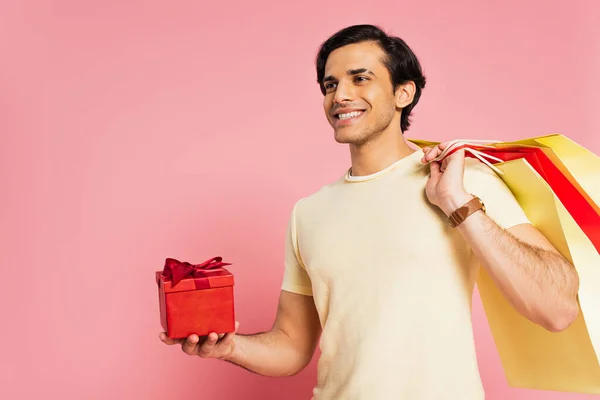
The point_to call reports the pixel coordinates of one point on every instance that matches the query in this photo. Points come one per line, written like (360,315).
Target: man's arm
(535,278)
(284,350)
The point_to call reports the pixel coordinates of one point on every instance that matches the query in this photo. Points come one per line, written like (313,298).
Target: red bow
(175,270)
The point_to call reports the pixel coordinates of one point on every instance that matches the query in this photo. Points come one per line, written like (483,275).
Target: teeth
(349,115)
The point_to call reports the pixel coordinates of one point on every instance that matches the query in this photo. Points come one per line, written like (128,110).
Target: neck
(379,153)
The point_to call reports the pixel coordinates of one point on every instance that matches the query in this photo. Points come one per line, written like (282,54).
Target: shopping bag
(549,165)
(531,356)
(582,168)
(582,164)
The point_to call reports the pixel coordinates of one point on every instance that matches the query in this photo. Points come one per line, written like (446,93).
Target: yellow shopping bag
(531,356)
(580,163)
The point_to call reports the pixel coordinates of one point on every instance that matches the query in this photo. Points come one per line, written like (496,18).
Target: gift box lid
(214,279)
(180,276)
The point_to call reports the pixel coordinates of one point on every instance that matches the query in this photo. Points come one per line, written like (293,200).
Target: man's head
(371,83)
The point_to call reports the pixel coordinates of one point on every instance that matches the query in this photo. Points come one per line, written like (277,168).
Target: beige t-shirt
(392,283)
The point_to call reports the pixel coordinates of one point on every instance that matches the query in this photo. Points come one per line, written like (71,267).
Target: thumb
(237,325)
(456,162)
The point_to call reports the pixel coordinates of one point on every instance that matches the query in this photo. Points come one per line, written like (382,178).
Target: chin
(345,138)
(345,135)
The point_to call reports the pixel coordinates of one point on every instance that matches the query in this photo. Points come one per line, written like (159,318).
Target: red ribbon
(176,271)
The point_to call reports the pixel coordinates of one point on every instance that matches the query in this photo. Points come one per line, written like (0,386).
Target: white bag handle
(480,155)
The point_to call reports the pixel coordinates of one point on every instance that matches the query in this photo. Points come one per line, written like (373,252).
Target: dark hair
(400,60)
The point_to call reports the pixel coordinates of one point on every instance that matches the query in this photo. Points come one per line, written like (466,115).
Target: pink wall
(132,132)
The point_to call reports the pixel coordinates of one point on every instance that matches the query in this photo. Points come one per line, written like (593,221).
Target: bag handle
(459,144)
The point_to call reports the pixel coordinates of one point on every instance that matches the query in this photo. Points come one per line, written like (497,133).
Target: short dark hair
(400,60)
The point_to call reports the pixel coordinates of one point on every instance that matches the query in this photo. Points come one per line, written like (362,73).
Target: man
(373,266)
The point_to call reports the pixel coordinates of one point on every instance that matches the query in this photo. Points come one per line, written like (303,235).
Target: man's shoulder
(318,199)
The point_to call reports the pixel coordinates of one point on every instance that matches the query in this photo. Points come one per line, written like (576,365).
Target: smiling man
(381,263)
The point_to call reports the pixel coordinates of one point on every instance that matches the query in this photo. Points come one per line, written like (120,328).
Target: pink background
(135,131)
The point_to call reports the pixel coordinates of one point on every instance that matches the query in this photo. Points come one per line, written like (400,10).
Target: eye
(361,79)
(329,86)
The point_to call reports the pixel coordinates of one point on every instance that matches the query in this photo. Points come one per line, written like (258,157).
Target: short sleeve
(295,277)
(500,203)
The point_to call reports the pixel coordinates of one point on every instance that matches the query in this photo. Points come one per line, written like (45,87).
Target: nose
(343,93)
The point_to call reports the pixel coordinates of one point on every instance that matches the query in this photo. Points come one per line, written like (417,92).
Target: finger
(165,339)
(434,169)
(431,155)
(209,344)
(444,164)
(443,145)
(439,149)
(190,345)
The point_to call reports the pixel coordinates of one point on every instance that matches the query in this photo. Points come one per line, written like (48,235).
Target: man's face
(359,102)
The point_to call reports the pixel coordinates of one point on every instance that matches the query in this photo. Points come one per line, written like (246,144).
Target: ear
(404,94)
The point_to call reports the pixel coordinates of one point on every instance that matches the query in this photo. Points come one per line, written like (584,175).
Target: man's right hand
(282,351)
(220,346)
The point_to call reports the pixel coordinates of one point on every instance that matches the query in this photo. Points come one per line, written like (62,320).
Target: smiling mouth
(349,115)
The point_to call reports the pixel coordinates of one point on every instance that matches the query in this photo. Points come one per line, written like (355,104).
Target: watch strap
(461,213)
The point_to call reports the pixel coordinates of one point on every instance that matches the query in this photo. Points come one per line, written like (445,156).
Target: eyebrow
(351,72)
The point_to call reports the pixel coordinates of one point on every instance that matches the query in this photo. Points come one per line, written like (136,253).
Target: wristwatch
(460,214)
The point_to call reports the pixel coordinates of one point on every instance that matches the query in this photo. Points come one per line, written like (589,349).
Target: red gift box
(195,299)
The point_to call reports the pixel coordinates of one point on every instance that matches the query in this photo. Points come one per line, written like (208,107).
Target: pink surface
(135,131)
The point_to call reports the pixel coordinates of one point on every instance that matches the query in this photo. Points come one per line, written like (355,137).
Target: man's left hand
(445,187)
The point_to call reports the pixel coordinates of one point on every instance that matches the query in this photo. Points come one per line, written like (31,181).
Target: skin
(529,271)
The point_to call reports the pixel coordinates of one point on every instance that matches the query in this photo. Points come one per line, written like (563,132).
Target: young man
(374,266)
